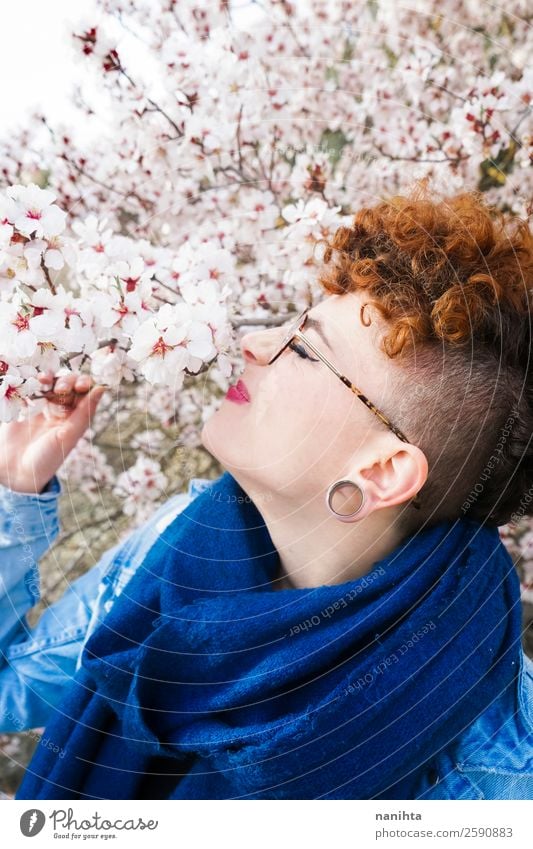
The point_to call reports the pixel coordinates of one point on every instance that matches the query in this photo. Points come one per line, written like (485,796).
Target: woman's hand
(31,451)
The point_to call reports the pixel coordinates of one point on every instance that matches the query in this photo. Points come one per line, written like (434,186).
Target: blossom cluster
(109,311)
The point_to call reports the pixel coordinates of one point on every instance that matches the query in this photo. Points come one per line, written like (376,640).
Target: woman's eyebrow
(317,325)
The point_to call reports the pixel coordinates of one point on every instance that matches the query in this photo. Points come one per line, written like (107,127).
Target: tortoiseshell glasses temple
(295,330)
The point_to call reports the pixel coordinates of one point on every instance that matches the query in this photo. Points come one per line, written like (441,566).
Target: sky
(38,67)
(37,64)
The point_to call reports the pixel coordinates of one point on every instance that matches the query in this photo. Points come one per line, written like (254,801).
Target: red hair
(453,279)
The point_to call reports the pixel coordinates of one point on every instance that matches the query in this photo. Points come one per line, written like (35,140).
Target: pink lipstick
(238,393)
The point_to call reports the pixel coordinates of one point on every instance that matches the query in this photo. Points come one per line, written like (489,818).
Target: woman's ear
(390,479)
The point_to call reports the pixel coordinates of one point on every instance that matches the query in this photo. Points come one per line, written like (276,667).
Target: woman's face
(302,426)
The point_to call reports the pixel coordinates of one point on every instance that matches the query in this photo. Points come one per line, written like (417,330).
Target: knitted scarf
(204,683)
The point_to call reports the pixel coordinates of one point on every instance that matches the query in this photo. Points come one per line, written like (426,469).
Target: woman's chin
(205,436)
(215,439)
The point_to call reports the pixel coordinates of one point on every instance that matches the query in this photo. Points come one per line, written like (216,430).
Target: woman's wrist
(51,489)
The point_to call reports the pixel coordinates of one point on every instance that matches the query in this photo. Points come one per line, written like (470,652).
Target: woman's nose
(259,346)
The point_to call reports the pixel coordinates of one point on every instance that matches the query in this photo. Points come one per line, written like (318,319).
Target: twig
(239,151)
(265,321)
(161,300)
(179,23)
(432,84)
(80,170)
(153,103)
(146,205)
(395,158)
(164,285)
(523,115)
(287,9)
(47,276)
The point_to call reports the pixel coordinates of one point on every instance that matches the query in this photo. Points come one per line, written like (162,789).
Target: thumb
(79,419)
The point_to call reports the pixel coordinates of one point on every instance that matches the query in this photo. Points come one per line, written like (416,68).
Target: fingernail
(61,386)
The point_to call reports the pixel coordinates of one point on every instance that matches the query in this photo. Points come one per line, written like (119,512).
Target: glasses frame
(295,331)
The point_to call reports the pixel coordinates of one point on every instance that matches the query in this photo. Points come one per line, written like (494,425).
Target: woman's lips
(238,393)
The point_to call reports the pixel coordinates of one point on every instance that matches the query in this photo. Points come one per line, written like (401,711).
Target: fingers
(46,378)
(64,393)
(79,418)
(64,390)
(69,383)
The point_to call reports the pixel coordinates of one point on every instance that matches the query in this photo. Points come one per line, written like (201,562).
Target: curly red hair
(453,279)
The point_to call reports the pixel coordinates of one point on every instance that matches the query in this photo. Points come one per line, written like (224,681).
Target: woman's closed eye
(301,351)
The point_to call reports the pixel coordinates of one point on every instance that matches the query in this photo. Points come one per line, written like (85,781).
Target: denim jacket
(491,759)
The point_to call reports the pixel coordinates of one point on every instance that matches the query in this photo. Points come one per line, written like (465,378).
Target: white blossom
(139,486)
(34,213)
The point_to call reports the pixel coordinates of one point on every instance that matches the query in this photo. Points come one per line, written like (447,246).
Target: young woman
(336,615)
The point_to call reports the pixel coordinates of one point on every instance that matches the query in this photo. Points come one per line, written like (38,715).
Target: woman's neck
(315,548)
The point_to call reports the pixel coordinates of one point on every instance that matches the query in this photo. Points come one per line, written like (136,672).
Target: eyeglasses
(295,330)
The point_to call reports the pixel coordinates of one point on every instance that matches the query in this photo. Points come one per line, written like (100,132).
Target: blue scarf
(204,683)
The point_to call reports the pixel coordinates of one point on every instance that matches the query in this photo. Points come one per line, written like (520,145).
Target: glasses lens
(292,328)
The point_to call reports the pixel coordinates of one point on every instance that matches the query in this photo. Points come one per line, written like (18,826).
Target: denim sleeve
(40,662)
(28,527)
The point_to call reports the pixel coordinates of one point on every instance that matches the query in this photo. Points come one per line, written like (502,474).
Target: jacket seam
(23,650)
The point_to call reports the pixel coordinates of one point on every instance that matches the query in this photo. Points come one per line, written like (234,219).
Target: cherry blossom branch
(516,127)
(47,277)
(146,205)
(104,344)
(287,8)
(439,87)
(164,285)
(395,158)
(243,178)
(160,299)
(264,321)
(172,10)
(156,106)
(239,136)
